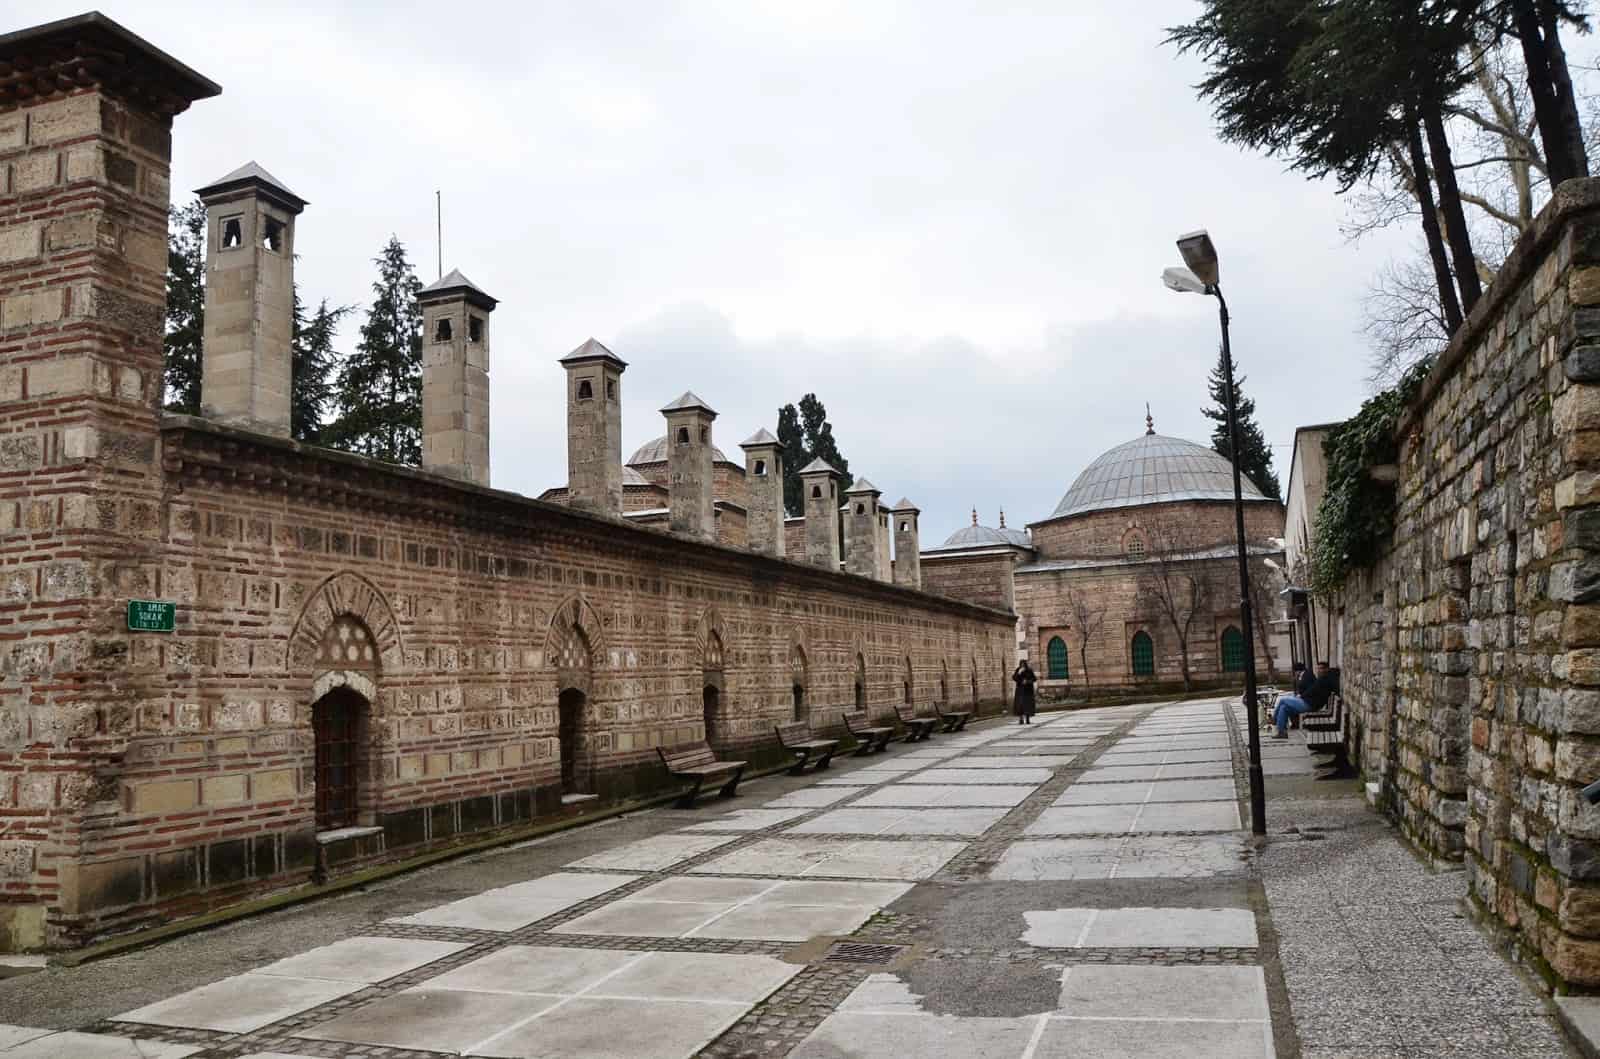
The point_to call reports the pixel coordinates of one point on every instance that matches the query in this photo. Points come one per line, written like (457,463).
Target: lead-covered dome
(656,452)
(1153,470)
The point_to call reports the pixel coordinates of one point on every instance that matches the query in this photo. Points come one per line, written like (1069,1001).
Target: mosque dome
(976,536)
(1152,470)
(656,452)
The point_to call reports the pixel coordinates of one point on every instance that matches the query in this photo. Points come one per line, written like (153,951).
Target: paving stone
(1165,992)
(871,1035)
(1188,816)
(615,1029)
(653,853)
(240,1003)
(748,820)
(810,798)
(1196,928)
(955,795)
(535,969)
(74,1045)
(1129,1039)
(853,821)
(510,907)
(442,1020)
(1030,776)
(866,859)
(1084,820)
(362,959)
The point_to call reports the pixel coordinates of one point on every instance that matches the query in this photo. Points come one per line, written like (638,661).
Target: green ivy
(1355,520)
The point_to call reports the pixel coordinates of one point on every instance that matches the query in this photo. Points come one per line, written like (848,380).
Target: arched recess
(712,707)
(944,683)
(571,650)
(800,682)
(976,697)
(860,681)
(1232,650)
(1142,654)
(1055,659)
(345,686)
(355,596)
(574,658)
(910,683)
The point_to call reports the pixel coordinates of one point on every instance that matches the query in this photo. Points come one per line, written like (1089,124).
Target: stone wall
(1099,534)
(1471,653)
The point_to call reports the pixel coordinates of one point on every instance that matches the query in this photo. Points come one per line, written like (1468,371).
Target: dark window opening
(585,390)
(708,699)
(1136,547)
(336,731)
(1144,655)
(904,527)
(799,703)
(442,331)
(1232,650)
(1055,656)
(683,435)
(761,468)
(272,235)
(908,693)
(474,329)
(232,232)
(705,435)
(569,733)
(816,492)
(611,389)
(861,696)
(860,509)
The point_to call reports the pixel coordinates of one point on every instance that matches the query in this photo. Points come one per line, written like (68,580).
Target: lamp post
(1200,277)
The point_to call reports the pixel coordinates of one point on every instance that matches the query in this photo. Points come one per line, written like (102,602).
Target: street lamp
(1200,277)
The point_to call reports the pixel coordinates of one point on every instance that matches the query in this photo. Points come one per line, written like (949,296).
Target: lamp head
(1182,280)
(1200,255)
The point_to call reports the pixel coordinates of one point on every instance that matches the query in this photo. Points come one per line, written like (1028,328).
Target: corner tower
(820,482)
(249,326)
(689,470)
(763,469)
(594,429)
(907,546)
(455,378)
(862,501)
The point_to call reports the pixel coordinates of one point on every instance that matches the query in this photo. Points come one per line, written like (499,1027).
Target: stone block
(20,242)
(160,796)
(63,119)
(220,790)
(273,785)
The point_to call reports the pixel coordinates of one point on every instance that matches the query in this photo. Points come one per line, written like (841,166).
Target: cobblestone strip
(778,1024)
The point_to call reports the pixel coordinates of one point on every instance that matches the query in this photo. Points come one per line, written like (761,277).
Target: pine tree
(1255,455)
(378,396)
(819,439)
(794,458)
(312,390)
(186,307)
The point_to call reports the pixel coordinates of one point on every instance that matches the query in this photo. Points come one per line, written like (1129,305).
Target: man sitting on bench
(1313,697)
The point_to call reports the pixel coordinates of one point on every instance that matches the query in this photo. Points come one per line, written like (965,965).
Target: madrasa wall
(367,661)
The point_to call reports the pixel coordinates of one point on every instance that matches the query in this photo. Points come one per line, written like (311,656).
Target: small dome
(633,477)
(1152,470)
(976,536)
(656,452)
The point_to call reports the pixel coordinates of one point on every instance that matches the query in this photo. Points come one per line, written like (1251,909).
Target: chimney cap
(591,351)
(454,284)
(861,485)
(690,403)
(905,506)
(120,58)
(760,439)
(819,466)
(252,176)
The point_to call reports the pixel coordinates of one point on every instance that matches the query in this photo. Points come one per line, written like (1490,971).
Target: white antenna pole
(438,217)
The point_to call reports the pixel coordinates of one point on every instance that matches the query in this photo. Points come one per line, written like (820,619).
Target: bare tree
(1176,582)
(1087,619)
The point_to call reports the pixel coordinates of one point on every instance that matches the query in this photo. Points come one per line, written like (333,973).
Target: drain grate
(862,952)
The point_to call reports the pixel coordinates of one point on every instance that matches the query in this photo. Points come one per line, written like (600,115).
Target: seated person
(1315,697)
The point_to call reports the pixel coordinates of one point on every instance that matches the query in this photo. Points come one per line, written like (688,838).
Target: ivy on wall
(1356,516)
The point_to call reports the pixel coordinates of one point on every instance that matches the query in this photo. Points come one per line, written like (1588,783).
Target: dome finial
(1149,420)
(1002,518)
(974,516)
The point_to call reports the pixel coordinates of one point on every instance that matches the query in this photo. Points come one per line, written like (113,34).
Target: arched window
(1135,546)
(1055,655)
(1232,650)
(1144,655)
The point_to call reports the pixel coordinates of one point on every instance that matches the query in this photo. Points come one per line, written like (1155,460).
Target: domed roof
(1152,470)
(656,452)
(633,477)
(976,536)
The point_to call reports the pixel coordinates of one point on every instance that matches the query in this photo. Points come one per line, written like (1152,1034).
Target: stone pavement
(1078,887)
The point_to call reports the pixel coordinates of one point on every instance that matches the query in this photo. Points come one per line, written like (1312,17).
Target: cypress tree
(312,389)
(186,307)
(794,458)
(1255,455)
(378,395)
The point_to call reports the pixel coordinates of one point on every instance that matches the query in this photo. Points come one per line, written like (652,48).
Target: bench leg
(801,757)
(687,801)
(731,788)
(961,724)
(1341,767)
(883,741)
(864,746)
(827,756)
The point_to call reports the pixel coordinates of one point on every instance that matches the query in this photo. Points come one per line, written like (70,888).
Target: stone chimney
(249,326)
(821,485)
(594,429)
(907,546)
(763,474)
(455,378)
(861,499)
(689,472)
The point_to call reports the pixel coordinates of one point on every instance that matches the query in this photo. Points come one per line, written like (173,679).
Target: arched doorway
(797,676)
(570,734)
(338,725)
(910,684)
(944,684)
(709,697)
(861,683)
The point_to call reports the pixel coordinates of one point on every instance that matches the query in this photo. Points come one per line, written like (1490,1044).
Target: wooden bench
(917,727)
(796,738)
(955,720)
(1326,734)
(699,764)
(870,738)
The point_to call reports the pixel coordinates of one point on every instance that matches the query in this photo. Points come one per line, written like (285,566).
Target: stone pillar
(763,473)
(85,147)
(249,326)
(689,471)
(821,485)
(862,501)
(907,546)
(594,429)
(455,378)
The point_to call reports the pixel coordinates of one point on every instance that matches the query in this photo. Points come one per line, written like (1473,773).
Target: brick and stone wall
(1471,652)
(1099,534)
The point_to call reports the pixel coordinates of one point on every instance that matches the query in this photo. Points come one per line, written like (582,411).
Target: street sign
(151,615)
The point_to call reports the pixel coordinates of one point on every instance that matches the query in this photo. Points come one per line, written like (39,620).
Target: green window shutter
(1144,655)
(1232,650)
(1056,659)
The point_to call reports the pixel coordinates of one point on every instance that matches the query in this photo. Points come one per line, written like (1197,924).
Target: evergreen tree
(378,395)
(1255,455)
(186,307)
(312,389)
(806,435)
(794,458)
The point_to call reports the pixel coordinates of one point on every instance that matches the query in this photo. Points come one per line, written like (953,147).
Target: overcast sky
(948,223)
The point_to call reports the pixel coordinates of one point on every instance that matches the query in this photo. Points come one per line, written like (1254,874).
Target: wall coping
(1572,197)
(284,465)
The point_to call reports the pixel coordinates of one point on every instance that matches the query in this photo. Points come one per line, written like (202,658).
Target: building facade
(229,657)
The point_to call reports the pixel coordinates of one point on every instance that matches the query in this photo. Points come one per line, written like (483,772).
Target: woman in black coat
(1024,678)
